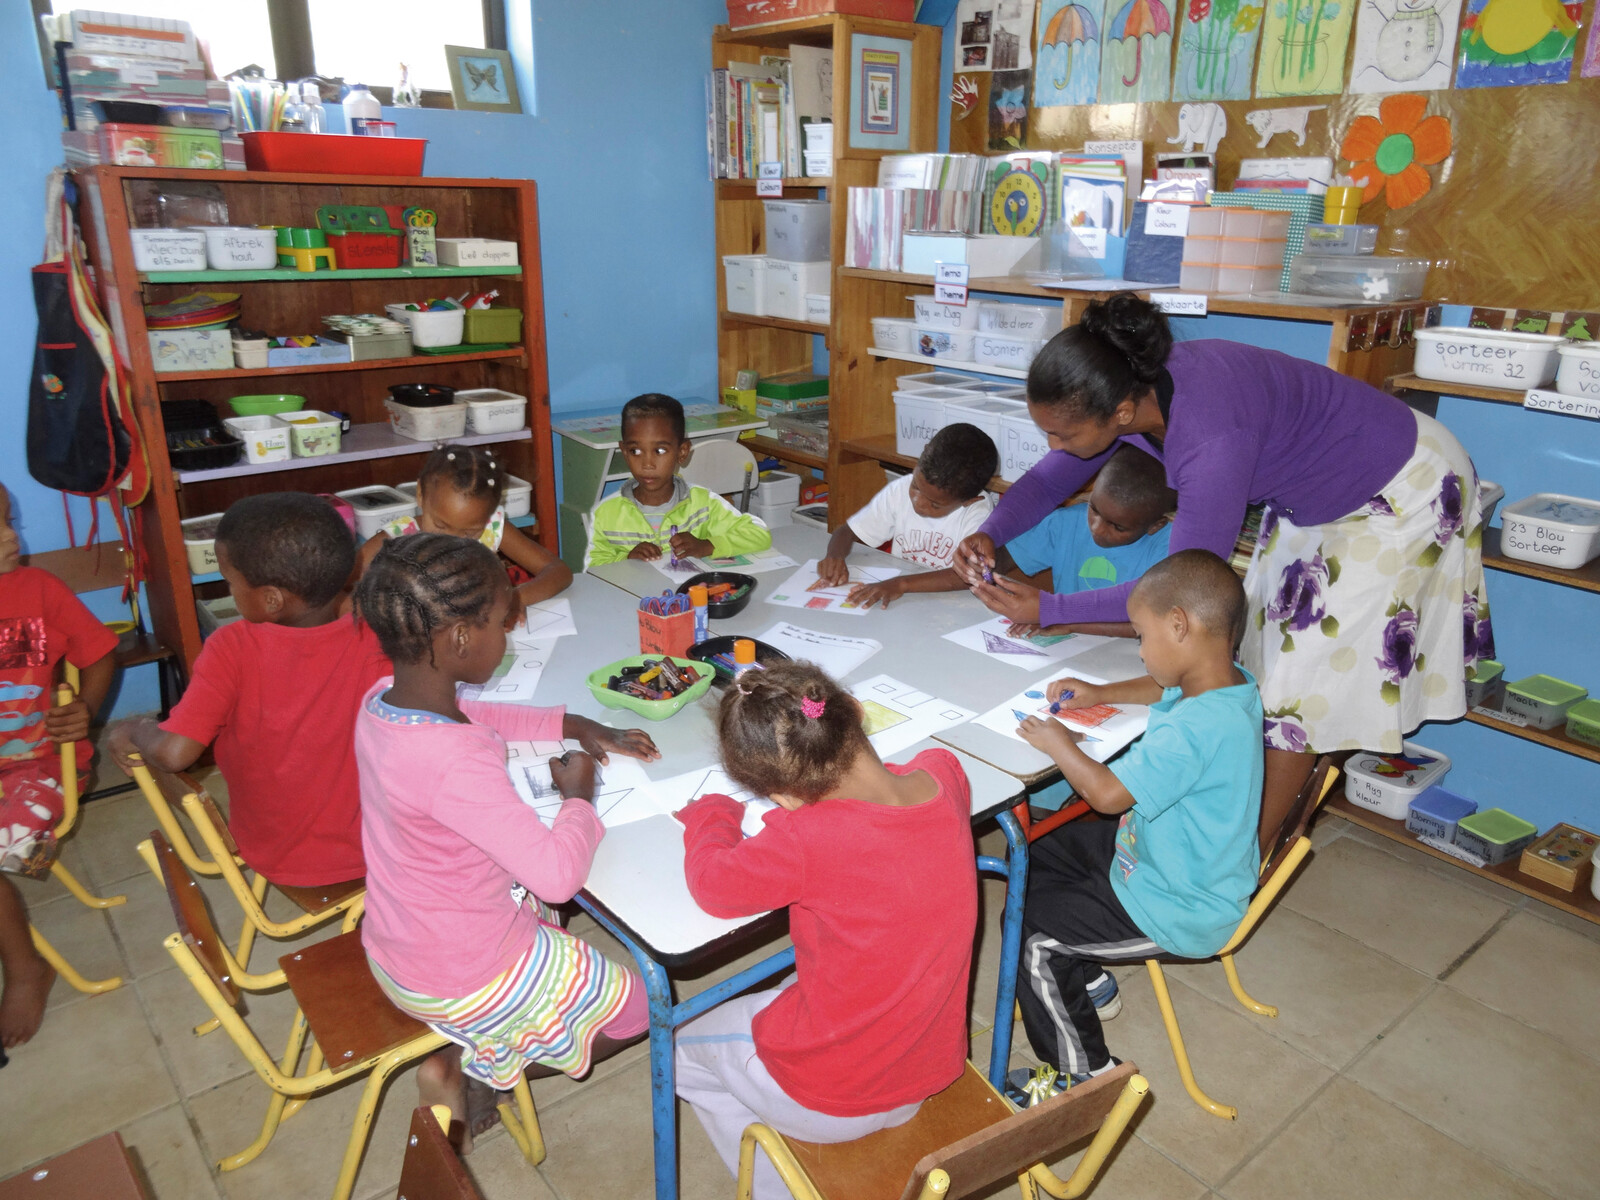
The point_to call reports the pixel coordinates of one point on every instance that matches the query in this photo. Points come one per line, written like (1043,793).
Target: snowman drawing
(1408,43)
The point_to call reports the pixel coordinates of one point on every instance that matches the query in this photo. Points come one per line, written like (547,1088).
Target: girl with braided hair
(458,868)
(875,864)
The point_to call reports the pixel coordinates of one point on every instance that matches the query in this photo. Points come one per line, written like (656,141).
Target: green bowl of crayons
(653,685)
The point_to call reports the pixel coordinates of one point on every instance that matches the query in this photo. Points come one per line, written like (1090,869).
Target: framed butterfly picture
(482,80)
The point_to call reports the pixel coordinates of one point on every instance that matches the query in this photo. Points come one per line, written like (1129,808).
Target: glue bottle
(316,117)
(360,106)
(744,657)
(700,598)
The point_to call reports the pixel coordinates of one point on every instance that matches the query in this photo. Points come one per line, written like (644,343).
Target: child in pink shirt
(452,852)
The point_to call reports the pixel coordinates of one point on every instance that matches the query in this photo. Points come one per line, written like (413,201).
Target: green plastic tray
(266,405)
(1497,826)
(795,385)
(653,710)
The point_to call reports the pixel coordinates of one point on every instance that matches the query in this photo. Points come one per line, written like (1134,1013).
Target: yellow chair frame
(291,1090)
(1288,862)
(937,1180)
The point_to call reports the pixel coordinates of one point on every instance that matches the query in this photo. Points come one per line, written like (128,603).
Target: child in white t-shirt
(924,515)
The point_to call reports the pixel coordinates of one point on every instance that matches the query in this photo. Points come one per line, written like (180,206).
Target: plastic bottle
(744,657)
(360,105)
(700,598)
(294,111)
(316,117)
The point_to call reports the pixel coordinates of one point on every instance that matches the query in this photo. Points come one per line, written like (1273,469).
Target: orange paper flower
(1390,150)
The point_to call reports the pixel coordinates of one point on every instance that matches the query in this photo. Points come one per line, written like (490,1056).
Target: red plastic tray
(333,154)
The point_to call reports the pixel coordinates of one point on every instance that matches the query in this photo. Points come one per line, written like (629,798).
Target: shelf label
(769,179)
(1180,304)
(944,272)
(1166,220)
(1560,402)
(950,293)
(1495,714)
(769,188)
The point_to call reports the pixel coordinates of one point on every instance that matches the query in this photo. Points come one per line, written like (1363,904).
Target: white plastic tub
(920,415)
(894,333)
(376,506)
(745,280)
(984,412)
(1488,357)
(999,350)
(1019,320)
(1578,369)
(789,283)
(920,381)
(1489,497)
(1388,783)
(200,542)
(312,434)
(798,230)
(933,315)
(168,250)
(214,614)
(778,487)
(518,497)
(490,410)
(446,327)
(819,308)
(948,345)
(240,248)
(1547,527)
(436,424)
(1022,444)
(265,440)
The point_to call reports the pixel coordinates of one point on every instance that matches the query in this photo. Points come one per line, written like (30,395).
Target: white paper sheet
(1100,741)
(835,653)
(993,639)
(623,793)
(674,793)
(898,716)
(543,621)
(794,591)
(517,677)
(748,564)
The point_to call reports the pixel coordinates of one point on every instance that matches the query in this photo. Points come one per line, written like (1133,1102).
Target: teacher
(1366,591)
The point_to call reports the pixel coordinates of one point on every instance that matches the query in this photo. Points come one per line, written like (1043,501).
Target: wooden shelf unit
(291,303)
(1434,387)
(1556,738)
(767,447)
(1586,577)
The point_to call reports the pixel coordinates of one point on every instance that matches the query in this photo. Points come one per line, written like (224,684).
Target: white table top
(637,874)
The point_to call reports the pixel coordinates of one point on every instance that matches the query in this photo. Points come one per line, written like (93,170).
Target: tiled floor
(1437,1039)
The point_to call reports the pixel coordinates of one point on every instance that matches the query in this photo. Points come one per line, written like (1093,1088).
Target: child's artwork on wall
(1136,60)
(1008,110)
(1507,43)
(1591,53)
(1404,45)
(1216,47)
(1303,45)
(1389,151)
(880,93)
(994,35)
(1068,66)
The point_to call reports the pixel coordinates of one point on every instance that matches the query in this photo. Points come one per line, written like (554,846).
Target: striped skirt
(546,1007)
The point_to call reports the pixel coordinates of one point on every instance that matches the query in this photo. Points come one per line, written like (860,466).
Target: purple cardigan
(1246,426)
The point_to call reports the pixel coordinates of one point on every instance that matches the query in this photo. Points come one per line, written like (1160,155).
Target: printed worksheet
(995,639)
(835,653)
(672,794)
(517,677)
(623,792)
(544,621)
(746,564)
(897,716)
(1106,728)
(794,592)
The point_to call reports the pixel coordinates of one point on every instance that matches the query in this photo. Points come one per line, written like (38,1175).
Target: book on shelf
(752,116)
(879,217)
(945,172)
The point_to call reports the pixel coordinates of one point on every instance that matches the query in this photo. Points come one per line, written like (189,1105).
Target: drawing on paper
(515,678)
(1136,61)
(1507,43)
(995,34)
(1270,122)
(1068,66)
(995,644)
(875,718)
(1216,48)
(1404,44)
(1390,150)
(1008,110)
(1303,45)
(1591,53)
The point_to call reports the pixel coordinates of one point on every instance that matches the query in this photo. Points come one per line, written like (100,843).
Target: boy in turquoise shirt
(1174,875)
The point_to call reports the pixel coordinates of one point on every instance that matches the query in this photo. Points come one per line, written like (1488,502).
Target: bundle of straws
(257,104)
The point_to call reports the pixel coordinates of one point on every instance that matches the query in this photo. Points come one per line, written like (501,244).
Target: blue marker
(1020,716)
(1055,705)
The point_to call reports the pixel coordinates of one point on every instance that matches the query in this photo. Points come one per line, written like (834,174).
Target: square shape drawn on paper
(1097,714)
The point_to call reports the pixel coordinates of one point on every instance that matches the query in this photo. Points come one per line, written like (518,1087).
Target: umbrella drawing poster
(1216,49)
(1136,58)
(1066,69)
(1303,45)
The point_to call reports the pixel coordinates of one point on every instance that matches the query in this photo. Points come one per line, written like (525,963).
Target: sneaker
(1103,992)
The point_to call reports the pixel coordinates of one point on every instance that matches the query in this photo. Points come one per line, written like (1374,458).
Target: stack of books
(754,111)
(878,217)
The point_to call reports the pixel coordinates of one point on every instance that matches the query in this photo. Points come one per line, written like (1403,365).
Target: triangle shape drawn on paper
(995,644)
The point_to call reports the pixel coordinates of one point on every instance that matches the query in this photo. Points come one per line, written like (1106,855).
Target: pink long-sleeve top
(446,836)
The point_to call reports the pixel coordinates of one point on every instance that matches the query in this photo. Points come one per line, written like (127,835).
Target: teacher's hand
(1013,600)
(974,556)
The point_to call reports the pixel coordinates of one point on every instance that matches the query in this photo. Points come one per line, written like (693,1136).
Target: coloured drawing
(1506,43)
(1067,66)
(1303,45)
(1216,48)
(1136,63)
(1404,45)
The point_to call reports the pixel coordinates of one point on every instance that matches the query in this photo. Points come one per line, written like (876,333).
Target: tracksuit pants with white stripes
(1071,924)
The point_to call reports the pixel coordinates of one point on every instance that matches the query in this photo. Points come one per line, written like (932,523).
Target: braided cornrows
(471,470)
(770,745)
(421,583)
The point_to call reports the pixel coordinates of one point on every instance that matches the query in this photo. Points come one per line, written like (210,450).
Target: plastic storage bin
(1486,685)
(1022,443)
(933,315)
(312,434)
(168,249)
(798,230)
(265,440)
(1583,722)
(918,415)
(214,614)
(819,308)
(476,252)
(806,430)
(493,325)
(998,350)
(745,281)
(1435,813)
(779,487)
(1494,834)
(442,328)
(772,513)
(1360,278)
(176,350)
(789,283)
(366,249)
(517,499)
(951,345)
(922,380)
(994,389)
(1018,320)
(1388,783)
(1487,357)
(200,542)
(1489,497)
(984,412)
(333,154)
(240,248)
(489,410)
(1543,699)
(266,404)
(1341,239)
(375,507)
(1547,527)
(433,423)
(1578,369)
(894,333)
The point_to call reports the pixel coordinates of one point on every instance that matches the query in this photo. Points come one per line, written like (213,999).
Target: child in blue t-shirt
(1175,873)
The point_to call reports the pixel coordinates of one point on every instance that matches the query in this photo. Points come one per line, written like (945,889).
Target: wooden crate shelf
(762,446)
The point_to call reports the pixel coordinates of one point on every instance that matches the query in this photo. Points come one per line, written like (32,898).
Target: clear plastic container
(951,345)
(376,506)
(265,440)
(745,281)
(517,499)
(1363,279)
(436,423)
(933,315)
(984,412)
(918,415)
(798,230)
(1022,444)
(490,410)
(919,381)
(1019,320)
(1486,686)
(168,250)
(200,543)
(998,350)
(1489,497)
(1543,700)
(804,430)
(1494,834)
(241,248)
(445,327)
(312,434)
(894,333)
(1551,528)
(1488,357)
(1578,370)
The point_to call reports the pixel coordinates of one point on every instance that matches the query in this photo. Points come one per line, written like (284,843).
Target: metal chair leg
(70,882)
(361,1126)
(1242,996)
(522,1123)
(1169,1017)
(275,1106)
(63,968)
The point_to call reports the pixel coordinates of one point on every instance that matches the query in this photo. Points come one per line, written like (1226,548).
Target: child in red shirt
(278,692)
(876,866)
(41,623)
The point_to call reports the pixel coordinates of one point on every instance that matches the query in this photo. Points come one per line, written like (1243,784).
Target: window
(336,39)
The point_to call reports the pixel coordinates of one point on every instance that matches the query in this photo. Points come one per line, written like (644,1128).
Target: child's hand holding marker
(1072,693)
(573,775)
(686,545)
(1012,599)
(974,559)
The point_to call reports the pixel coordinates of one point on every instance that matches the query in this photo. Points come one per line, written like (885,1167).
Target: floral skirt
(1362,629)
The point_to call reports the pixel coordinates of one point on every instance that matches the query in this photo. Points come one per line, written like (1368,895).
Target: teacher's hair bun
(1134,327)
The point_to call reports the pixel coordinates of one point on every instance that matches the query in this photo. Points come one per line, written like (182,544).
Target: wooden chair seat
(137,648)
(314,900)
(431,1170)
(99,1168)
(349,1015)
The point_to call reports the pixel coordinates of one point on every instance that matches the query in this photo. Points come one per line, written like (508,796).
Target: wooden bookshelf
(732,320)
(366,364)
(1556,739)
(762,446)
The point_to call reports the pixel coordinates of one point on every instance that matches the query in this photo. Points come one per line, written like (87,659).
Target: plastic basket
(333,154)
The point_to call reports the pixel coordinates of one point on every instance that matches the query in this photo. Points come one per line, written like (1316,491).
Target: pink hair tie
(812,708)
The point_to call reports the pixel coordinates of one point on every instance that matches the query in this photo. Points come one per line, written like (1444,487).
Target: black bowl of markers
(717,653)
(732,603)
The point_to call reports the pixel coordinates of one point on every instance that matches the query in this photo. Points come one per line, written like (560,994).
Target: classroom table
(636,887)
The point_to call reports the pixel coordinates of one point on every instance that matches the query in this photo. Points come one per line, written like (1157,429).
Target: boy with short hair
(277,693)
(1175,873)
(923,515)
(657,512)
(41,623)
